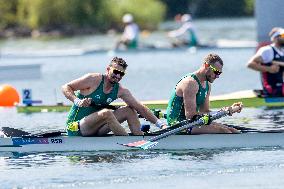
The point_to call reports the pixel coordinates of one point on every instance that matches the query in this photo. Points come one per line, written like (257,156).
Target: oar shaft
(108,106)
(187,124)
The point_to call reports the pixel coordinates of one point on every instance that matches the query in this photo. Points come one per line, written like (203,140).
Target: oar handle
(234,109)
(223,113)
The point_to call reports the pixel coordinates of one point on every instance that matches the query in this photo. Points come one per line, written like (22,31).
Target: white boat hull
(110,143)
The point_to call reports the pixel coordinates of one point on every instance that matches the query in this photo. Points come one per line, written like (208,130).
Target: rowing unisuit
(99,97)
(175,109)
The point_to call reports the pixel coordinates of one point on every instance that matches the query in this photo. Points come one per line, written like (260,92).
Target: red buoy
(8,96)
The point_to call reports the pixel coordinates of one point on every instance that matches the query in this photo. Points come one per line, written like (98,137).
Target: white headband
(277,33)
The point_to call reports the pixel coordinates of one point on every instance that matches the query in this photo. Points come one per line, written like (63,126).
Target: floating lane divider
(251,98)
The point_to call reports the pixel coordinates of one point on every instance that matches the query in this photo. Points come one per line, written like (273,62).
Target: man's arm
(255,64)
(145,112)
(82,83)
(189,90)
(180,31)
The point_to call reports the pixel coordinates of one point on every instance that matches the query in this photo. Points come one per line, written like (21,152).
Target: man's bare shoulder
(90,79)
(122,91)
(189,82)
(93,75)
(187,85)
(122,88)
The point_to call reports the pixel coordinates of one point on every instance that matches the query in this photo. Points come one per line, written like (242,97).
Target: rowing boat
(250,98)
(110,142)
(174,138)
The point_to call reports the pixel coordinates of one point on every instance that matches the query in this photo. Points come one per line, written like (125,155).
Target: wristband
(77,102)
(159,123)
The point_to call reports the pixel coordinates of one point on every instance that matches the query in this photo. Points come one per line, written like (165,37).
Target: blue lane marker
(274,99)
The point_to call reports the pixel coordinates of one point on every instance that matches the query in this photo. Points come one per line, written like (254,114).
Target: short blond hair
(212,59)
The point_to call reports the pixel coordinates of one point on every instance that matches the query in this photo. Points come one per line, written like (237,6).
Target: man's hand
(164,126)
(161,124)
(206,117)
(230,108)
(85,102)
(273,68)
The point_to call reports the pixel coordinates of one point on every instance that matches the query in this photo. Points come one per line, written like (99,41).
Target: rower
(190,97)
(185,35)
(129,38)
(85,119)
(269,61)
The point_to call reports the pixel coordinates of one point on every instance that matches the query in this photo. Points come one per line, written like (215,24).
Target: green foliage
(8,13)
(249,7)
(98,14)
(102,15)
(37,12)
(147,13)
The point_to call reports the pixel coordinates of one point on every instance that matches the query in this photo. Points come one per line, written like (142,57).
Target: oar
(12,132)
(147,144)
(240,128)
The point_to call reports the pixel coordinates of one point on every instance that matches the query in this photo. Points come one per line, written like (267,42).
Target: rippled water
(201,169)
(236,168)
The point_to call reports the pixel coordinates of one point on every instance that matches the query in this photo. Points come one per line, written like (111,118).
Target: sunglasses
(281,36)
(118,72)
(215,70)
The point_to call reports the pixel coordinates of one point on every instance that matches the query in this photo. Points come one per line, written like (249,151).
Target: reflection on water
(109,157)
(21,160)
(139,168)
(44,159)
(262,118)
(273,114)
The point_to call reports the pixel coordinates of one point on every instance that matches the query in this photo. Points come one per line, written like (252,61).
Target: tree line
(69,17)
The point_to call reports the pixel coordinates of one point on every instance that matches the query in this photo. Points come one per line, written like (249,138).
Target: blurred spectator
(185,35)
(129,38)
(269,61)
